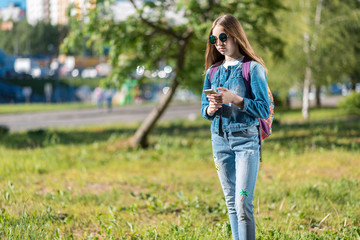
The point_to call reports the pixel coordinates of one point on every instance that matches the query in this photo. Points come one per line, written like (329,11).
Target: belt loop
(226,135)
(260,142)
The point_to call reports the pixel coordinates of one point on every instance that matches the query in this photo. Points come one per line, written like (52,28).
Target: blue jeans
(237,158)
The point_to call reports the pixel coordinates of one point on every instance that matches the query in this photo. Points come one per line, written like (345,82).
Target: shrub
(3,130)
(351,103)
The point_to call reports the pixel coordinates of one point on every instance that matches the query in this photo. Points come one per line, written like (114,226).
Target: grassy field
(38,107)
(84,183)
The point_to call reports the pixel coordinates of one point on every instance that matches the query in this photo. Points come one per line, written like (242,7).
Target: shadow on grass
(328,135)
(184,129)
(44,138)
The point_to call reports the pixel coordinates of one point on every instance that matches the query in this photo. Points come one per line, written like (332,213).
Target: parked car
(89,73)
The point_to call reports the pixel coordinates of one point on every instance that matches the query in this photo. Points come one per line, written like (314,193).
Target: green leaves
(333,43)
(154,33)
(351,103)
(23,38)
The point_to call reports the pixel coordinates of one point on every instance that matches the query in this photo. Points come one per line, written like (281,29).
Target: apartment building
(37,10)
(58,10)
(11,13)
(55,11)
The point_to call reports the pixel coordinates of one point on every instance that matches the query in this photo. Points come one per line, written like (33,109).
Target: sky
(5,3)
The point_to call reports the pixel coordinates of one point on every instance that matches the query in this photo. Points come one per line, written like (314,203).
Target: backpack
(265,124)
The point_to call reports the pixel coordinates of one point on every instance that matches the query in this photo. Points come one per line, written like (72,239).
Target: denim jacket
(231,118)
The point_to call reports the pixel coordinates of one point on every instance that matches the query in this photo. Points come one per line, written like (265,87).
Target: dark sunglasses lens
(212,39)
(223,37)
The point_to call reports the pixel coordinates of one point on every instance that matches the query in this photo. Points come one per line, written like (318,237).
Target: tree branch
(167,31)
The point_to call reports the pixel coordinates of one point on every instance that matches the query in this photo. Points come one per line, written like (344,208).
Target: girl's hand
(229,97)
(226,95)
(215,103)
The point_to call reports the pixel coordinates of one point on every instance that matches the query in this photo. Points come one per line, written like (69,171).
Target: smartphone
(209,91)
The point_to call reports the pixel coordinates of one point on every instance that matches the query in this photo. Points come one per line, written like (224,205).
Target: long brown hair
(234,29)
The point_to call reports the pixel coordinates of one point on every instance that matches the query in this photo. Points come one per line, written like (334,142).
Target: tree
(151,36)
(322,45)
(25,39)
(339,35)
(307,47)
(336,40)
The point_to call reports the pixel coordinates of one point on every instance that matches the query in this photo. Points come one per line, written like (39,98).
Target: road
(125,114)
(72,118)
(328,101)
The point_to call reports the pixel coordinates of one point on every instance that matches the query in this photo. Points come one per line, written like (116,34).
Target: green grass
(84,183)
(77,82)
(38,107)
(323,114)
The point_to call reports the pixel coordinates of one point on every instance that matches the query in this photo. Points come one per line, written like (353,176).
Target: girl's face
(228,48)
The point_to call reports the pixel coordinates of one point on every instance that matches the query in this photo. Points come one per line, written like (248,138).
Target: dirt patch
(81,233)
(118,145)
(98,188)
(43,191)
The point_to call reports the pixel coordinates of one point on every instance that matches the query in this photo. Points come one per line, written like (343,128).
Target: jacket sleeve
(204,101)
(258,105)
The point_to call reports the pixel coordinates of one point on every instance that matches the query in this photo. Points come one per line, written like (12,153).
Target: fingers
(214,104)
(217,106)
(215,98)
(222,89)
(227,95)
(214,107)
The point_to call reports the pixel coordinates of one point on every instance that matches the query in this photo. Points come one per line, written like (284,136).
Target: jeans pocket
(253,130)
(250,131)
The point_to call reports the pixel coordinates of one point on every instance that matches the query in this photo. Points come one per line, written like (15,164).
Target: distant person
(99,94)
(234,113)
(108,95)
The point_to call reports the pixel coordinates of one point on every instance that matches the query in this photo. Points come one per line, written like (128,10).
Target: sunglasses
(213,40)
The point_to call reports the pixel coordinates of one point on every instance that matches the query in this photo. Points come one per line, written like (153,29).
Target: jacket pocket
(237,85)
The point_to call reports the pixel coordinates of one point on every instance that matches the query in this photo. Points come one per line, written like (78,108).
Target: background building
(12,13)
(37,10)
(58,10)
(55,11)
(8,15)
(19,3)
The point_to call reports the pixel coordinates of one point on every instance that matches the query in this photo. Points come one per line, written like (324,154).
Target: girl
(234,112)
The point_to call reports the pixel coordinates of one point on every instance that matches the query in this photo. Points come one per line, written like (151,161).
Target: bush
(351,103)
(3,130)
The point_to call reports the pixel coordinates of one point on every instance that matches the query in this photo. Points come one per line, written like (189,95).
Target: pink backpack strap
(246,73)
(213,69)
(265,128)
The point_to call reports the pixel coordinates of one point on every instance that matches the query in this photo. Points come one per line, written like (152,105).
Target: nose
(219,43)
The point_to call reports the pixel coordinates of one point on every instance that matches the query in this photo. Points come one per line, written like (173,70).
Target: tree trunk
(141,135)
(354,80)
(318,97)
(288,102)
(305,102)
(307,49)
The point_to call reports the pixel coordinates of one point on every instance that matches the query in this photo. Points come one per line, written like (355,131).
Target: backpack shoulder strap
(246,73)
(213,69)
